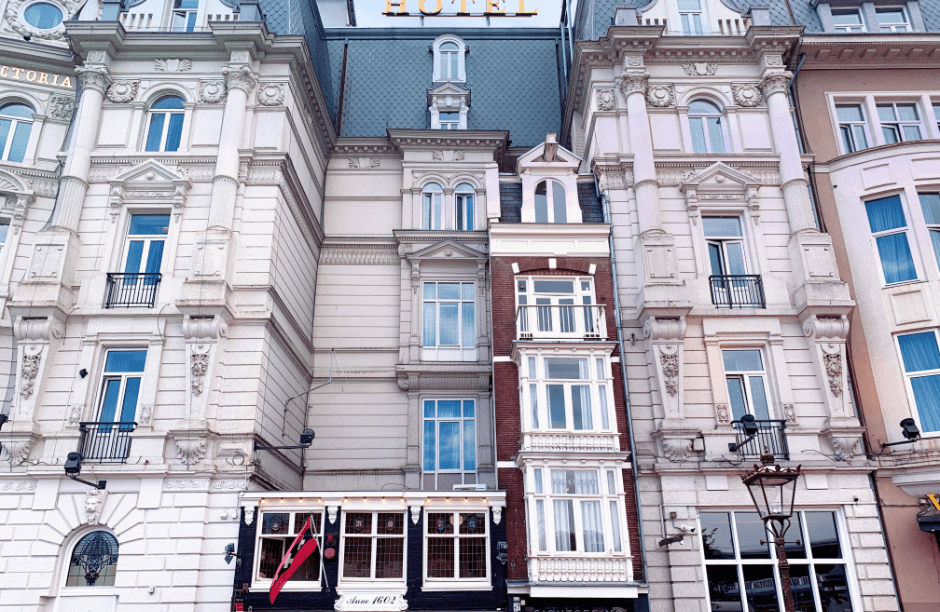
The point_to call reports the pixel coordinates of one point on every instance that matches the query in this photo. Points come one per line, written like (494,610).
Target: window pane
(468,408)
(449,446)
(833,588)
(758,397)
(886,112)
(735,251)
(556,406)
(565,368)
(110,396)
(429,446)
(896,259)
(125,361)
(846,17)
(715,258)
(743,361)
(4,132)
(538,480)
(846,132)
(469,447)
(430,291)
(686,26)
(4,230)
(553,286)
(885,214)
(722,226)
(802,587)
(823,535)
(440,556)
(20,111)
(541,202)
(389,557)
(890,15)
(861,140)
(430,323)
(703,107)
(690,5)
(908,112)
(697,127)
(615,525)
(467,292)
(469,325)
(724,591)
(565,539)
(448,291)
(715,137)
(168,103)
(891,134)
(716,535)
(175,131)
(129,406)
(429,409)
(602,396)
(558,203)
(149,225)
(760,588)
(795,541)
(357,557)
(534,398)
(135,253)
(919,352)
(540,514)
(927,397)
(581,407)
(448,324)
(935,241)
(750,532)
(736,396)
(849,113)
(911,132)
(611,485)
(930,204)
(20,140)
(155,134)
(472,557)
(154,257)
(593,526)
(936,111)
(448,409)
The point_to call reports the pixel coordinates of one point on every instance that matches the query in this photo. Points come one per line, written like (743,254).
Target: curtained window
(930,204)
(921,359)
(889,228)
(567,393)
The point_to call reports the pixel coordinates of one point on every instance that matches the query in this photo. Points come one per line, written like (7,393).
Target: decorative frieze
(16,486)
(359,255)
(122,92)
(184,484)
(700,69)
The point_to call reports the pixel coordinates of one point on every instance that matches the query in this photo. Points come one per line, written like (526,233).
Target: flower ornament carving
(172,65)
(146,416)
(746,95)
(661,95)
(271,94)
(722,414)
(199,368)
(606,100)
(633,81)
(75,414)
(191,450)
(634,60)
(61,107)
(670,364)
(239,77)
(700,69)
(29,372)
(211,92)
(775,82)
(677,449)
(121,92)
(22,453)
(96,57)
(833,364)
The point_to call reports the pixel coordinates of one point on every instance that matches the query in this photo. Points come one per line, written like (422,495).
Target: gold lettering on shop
(34,76)
(431,8)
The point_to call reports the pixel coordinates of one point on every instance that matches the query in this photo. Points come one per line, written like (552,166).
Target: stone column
(633,86)
(239,81)
(792,179)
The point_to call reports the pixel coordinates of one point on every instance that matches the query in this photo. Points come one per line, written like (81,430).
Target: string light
(264,501)
(282,500)
(466,501)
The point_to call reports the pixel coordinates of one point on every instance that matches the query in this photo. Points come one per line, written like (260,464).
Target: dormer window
(449,105)
(892,19)
(449,53)
(690,14)
(847,20)
(550,202)
(184,15)
(449,120)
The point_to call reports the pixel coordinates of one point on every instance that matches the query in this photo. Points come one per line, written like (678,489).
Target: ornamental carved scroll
(670,364)
(29,372)
(833,365)
(199,368)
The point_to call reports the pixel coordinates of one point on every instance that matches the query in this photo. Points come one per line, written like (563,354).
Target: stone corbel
(415,276)
(116,201)
(415,514)
(16,206)
(677,445)
(753,204)
(331,513)
(34,338)
(828,335)
(691,206)
(666,336)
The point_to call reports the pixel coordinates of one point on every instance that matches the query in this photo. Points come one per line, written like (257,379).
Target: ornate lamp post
(773,490)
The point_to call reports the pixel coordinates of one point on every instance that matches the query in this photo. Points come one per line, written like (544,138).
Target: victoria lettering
(34,76)
(493,8)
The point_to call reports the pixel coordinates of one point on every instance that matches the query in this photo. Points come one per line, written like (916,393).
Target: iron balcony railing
(771,435)
(105,442)
(564,321)
(126,290)
(737,291)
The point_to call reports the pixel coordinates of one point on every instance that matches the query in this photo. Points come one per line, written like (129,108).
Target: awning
(929,519)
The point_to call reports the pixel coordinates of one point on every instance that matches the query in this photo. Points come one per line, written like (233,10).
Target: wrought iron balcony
(129,290)
(105,442)
(737,291)
(561,322)
(771,435)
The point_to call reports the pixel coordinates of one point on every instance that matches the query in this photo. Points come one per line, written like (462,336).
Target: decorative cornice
(365,255)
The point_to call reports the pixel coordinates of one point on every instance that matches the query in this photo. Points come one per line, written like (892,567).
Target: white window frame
(432,196)
(904,26)
(7,223)
(702,117)
(722,242)
(912,400)
(456,582)
(536,413)
(167,113)
(147,239)
(849,29)
(582,321)
(906,230)
(438,76)
(449,122)
(686,19)
(374,536)
(550,186)
(932,228)
(14,124)
(538,485)
(463,422)
(122,377)
(897,125)
(458,352)
(257,581)
(744,376)
(465,200)
(936,113)
(851,126)
(185,13)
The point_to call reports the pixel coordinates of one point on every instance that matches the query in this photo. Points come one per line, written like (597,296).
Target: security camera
(686,528)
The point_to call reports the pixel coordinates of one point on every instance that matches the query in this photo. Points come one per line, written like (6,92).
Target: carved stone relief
(746,95)
(191,451)
(94,504)
(61,107)
(199,368)
(833,363)
(271,94)
(661,95)
(606,100)
(448,156)
(633,81)
(670,364)
(722,414)
(677,449)
(211,91)
(172,65)
(700,69)
(369,163)
(121,92)
(30,370)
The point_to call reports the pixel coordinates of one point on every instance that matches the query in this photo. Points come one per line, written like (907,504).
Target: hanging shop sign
(430,8)
(14,73)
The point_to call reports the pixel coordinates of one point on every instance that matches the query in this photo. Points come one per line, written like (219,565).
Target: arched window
(550,202)
(449,63)
(433,200)
(166,124)
(706,126)
(465,194)
(16,122)
(448,59)
(94,561)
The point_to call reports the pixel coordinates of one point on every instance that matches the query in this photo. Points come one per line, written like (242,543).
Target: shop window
(373,547)
(456,547)
(93,562)
(921,359)
(741,567)
(166,124)
(276,532)
(16,123)
(450,446)
(890,230)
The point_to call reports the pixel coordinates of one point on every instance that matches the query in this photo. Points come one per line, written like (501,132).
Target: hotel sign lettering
(430,8)
(35,76)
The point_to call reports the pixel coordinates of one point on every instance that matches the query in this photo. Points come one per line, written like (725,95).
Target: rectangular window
(4,231)
(936,114)
(892,19)
(900,122)
(930,204)
(921,359)
(449,120)
(725,245)
(373,546)
(464,210)
(449,321)
(847,20)
(566,396)
(557,307)
(120,385)
(143,249)
(852,128)
(742,573)
(450,447)
(747,383)
(276,532)
(184,15)
(456,546)
(690,13)
(578,513)
(889,228)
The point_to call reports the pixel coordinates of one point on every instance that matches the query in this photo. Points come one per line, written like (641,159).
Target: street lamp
(773,490)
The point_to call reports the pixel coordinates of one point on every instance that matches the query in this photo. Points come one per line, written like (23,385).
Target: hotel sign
(35,76)
(430,8)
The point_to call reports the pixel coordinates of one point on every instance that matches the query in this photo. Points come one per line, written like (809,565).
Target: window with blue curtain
(706,126)
(921,359)
(166,124)
(120,385)
(16,124)
(449,455)
(930,204)
(889,228)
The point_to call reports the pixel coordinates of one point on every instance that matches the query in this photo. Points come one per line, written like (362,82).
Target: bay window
(450,447)
(921,359)
(456,547)
(449,321)
(889,228)
(373,547)
(557,307)
(899,122)
(577,511)
(276,532)
(568,393)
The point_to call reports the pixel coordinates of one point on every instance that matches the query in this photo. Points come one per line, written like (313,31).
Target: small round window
(43,16)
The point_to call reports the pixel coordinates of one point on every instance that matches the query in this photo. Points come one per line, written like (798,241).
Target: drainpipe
(605,202)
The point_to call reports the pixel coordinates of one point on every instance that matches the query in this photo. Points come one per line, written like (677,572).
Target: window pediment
(719,179)
(446,249)
(149,181)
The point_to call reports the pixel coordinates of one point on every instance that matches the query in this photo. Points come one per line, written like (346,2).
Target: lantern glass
(773,491)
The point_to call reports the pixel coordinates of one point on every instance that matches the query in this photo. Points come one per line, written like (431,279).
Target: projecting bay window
(570,394)
(456,548)
(276,532)
(449,322)
(920,357)
(558,307)
(930,205)
(889,228)
(578,512)
(450,443)
(373,548)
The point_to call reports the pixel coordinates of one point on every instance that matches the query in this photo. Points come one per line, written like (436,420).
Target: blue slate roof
(512,75)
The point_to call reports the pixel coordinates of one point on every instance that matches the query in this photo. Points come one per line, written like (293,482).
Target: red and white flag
(305,551)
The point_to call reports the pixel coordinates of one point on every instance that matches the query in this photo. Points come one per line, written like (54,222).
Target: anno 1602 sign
(492,8)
